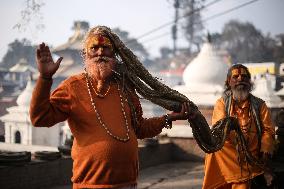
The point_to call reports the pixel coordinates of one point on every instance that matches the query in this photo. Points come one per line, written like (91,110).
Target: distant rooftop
(22,66)
(75,41)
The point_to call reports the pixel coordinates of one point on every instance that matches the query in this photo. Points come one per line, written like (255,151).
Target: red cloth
(100,161)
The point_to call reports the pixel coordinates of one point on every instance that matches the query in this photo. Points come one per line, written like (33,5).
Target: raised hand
(46,66)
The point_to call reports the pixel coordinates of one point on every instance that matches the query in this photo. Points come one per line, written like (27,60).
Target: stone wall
(45,174)
(36,174)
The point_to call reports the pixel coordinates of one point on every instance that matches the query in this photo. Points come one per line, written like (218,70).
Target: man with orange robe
(105,118)
(228,168)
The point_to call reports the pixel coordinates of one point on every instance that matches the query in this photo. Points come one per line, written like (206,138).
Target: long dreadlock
(132,74)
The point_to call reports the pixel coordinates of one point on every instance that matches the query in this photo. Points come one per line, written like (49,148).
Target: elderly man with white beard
(102,109)
(229,168)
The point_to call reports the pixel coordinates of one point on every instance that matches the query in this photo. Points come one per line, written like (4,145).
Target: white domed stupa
(204,79)
(18,127)
(24,98)
(205,76)
(208,68)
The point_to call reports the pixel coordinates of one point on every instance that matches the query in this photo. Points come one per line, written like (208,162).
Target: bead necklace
(99,117)
(98,94)
(245,127)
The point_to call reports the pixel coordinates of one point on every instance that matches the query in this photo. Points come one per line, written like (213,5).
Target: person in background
(233,167)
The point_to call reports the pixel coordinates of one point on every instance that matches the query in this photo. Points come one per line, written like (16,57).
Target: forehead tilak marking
(235,71)
(97,39)
(238,71)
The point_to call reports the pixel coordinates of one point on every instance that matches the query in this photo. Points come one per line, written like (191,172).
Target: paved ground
(177,175)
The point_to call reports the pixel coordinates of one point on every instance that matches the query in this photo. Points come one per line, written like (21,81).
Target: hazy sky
(135,16)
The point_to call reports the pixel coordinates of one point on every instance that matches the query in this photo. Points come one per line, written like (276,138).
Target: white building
(264,89)
(21,72)
(18,127)
(280,93)
(204,77)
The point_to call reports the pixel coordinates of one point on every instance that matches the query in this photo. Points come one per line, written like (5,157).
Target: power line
(229,10)
(206,19)
(180,17)
(156,37)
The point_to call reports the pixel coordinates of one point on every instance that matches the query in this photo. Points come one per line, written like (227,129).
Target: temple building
(21,72)
(18,127)
(204,79)
(72,62)
(280,93)
(264,89)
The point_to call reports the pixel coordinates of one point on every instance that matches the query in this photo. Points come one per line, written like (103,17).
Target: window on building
(18,137)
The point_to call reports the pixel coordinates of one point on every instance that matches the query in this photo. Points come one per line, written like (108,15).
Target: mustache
(242,88)
(244,84)
(102,59)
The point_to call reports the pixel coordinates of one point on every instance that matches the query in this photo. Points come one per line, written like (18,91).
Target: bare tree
(31,16)
(192,25)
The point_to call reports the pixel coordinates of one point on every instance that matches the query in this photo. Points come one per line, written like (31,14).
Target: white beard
(100,70)
(240,93)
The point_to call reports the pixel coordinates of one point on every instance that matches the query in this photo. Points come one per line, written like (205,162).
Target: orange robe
(223,166)
(99,161)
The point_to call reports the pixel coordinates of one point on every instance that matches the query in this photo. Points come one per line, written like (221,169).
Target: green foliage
(245,43)
(16,51)
(278,52)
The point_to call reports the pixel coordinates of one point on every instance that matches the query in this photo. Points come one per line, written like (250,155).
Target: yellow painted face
(239,76)
(98,40)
